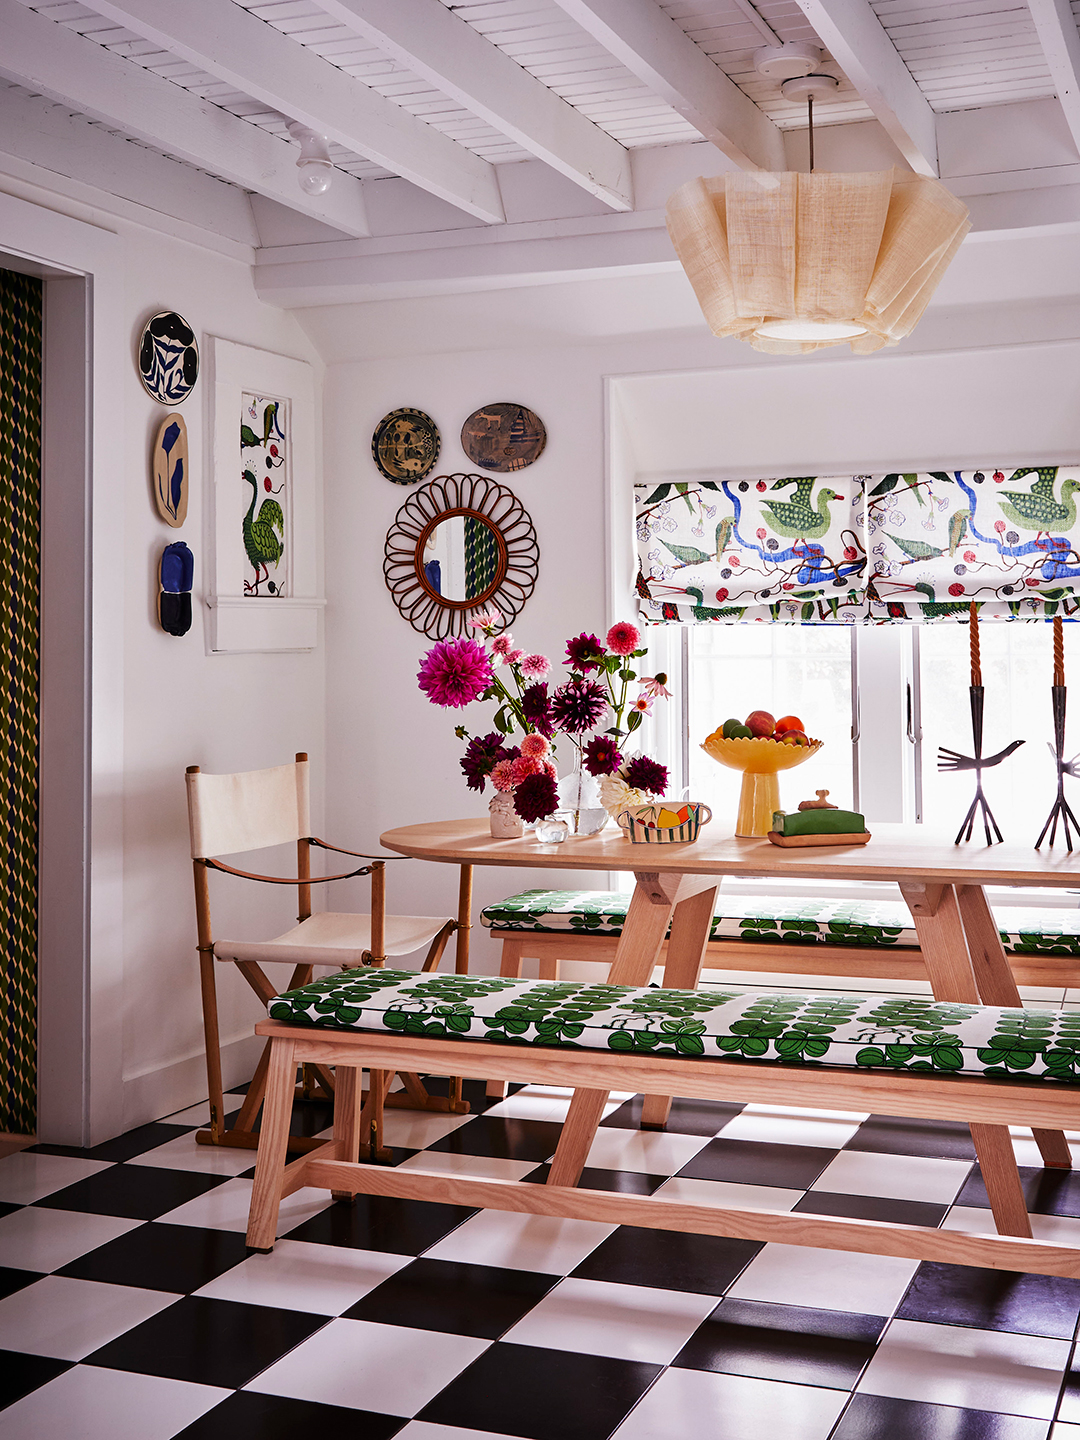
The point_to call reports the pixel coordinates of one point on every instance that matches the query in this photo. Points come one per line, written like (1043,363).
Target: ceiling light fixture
(795,263)
(315,168)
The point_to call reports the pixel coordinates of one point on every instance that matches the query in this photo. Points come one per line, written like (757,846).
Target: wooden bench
(987,1066)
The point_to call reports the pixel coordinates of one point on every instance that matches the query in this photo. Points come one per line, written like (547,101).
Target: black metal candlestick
(1061,808)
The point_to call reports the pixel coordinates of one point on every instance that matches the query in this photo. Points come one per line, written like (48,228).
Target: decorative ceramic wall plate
(405,446)
(170,468)
(168,358)
(503,437)
(176,570)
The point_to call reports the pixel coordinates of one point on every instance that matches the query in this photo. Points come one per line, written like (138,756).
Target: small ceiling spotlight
(315,168)
(785,62)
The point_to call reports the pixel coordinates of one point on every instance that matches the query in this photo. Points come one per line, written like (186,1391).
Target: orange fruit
(789,722)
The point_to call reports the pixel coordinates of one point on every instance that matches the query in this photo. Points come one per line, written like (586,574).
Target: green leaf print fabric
(856,1031)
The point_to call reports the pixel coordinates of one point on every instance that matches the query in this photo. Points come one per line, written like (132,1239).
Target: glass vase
(579,801)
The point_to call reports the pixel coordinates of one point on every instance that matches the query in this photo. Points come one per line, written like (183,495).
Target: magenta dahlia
(454,673)
(584,653)
(578,705)
(481,756)
(623,638)
(645,774)
(602,756)
(536,796)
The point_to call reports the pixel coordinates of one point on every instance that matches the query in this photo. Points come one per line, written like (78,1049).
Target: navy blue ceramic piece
(168,358)
(177,571)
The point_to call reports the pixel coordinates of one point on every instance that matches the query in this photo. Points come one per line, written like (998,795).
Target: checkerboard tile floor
(131,1310)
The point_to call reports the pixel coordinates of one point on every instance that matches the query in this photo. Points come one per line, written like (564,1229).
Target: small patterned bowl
(664,822)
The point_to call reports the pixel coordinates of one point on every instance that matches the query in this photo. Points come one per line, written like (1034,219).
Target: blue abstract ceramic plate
(168,358)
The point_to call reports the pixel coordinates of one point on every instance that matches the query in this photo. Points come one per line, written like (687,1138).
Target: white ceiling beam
(430,40)
(860,45)
(237,47)
(653,47)
(52,60)
(1060,40)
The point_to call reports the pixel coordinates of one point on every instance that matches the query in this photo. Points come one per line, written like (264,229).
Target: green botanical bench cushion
(788,922)
(849,1030)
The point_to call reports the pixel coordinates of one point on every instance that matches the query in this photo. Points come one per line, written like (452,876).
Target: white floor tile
(727,1193)
(545,1243)
(67,1319)
(1060,1228)
(425,1430)
(546,1102)
(489,1167)
(650,1152)
(825,1279)
(628,1322)
(226,1208)
(392,1369)
(40,1239)
(196,1114)
(91,1404)
(413,1129)
(318,1279)
(899,1177)
(1027,1152)
(974,1369)
(184,1153)
(791,1128)
(699,1404)
(25,1178)
(1060,1431)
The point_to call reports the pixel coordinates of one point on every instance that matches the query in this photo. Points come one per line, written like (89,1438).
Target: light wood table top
(897,852)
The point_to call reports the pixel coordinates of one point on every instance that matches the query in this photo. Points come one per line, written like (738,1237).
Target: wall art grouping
(168,358)
(264,468)
(170,468)
(861,548)
(501,437)
(405,446)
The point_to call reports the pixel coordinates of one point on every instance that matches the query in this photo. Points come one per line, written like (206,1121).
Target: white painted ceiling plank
(52,60)
(855,38)
(652,46)
(228,42)
(1056,27)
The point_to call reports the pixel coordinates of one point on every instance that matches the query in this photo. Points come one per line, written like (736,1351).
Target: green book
(818,822)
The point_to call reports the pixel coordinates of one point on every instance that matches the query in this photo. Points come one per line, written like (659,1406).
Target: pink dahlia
(502,644)
(514,657)
(535,747)
(535,666)
(487,620)
(623,638)
(502,777)
(549,769)
(536,797)
(454,673)
(524,766)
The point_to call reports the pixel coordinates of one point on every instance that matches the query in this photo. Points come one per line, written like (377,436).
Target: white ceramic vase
(506,823)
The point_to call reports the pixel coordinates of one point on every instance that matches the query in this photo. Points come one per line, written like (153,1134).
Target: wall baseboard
(161,1092)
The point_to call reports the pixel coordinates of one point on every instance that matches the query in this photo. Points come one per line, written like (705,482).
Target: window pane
(1017,669)
(787,670)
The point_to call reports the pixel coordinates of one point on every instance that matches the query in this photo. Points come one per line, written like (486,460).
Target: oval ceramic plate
(170,467)
(503,437)
(168,358)
(405,446)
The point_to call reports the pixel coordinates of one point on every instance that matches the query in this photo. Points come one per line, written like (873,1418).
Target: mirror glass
(460,559)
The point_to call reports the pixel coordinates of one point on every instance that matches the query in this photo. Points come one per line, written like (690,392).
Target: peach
(760,722)
(789,722)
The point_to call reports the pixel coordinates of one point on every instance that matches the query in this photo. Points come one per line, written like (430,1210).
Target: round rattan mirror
(459,544)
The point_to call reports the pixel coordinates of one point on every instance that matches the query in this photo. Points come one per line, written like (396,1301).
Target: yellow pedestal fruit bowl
(760,759)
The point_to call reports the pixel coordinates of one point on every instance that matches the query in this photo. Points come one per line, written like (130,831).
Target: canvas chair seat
(334,939)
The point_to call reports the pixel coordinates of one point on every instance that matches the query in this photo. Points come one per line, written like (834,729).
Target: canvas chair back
(247,811)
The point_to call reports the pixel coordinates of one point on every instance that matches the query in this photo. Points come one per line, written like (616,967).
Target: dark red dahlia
(645,774)
(578,705)
(536,796)
(536,707)
(481,756)
(601,756)
(584,653)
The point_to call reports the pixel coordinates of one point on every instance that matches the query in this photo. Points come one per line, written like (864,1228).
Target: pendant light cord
(810,123)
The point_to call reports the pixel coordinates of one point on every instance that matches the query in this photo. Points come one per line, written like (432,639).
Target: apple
(760,722)
(793,737)
(789,722)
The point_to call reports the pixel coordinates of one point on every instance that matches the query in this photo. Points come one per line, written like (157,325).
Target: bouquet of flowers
(454,673)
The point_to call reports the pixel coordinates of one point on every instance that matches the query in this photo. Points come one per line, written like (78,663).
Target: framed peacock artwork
(264,502)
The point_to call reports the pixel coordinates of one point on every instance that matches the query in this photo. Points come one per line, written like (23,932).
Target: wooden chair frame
(316,1077)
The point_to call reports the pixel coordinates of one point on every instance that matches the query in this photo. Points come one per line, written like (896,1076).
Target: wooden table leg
(997,986)
(940,928)
(273,1139)
(347,1105)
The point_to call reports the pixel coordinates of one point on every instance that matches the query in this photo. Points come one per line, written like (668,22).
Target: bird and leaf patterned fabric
(264,465)
(856,1031)
(861,548)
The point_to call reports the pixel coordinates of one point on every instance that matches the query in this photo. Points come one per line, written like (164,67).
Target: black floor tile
(179,1258)
(993,1300)
(139,1192)
(1047,1192)
(541,1394)
(137,1142)
(756,1162)
(472,1090)
(877,1417)
(480,1300)
(504,1137)
(895,1135)
(625,1182)
(688,1117)
(12,1280)
(376,1222)
(872,1207)
(783,1342)
(211,1342)
(668,1260)
(19,1374)
(6,1209)
(246,1416)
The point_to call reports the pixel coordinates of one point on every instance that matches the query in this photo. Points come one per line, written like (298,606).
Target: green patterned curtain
(481,557)
(20,459)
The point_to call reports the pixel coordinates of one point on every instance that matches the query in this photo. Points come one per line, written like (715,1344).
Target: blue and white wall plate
(168,358)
